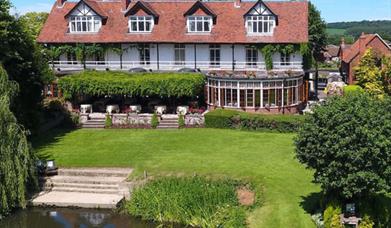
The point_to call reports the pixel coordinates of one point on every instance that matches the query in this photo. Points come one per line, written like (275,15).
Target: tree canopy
(16,158)
(347,142)
(22,60)
(33,22)
(317,32)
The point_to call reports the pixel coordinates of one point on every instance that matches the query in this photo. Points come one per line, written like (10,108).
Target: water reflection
(71,218)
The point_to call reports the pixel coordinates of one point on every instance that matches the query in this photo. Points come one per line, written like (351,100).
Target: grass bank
(265,159)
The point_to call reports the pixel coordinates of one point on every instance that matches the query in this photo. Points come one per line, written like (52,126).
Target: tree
(33,22)
(16,158)
(24,64)
(317,39)
(386,74)
(368,74)
(347,143)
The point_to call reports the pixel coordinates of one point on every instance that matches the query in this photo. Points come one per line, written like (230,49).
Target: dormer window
(260,24)
(84,24)
(260,20)
(85,18)
(141,23)
(199,24)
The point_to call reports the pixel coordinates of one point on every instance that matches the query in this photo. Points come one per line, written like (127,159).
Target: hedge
(247,121)
(352,89)
(100,83)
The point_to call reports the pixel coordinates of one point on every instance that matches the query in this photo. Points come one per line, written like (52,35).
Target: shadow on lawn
(48,138)
(312,202)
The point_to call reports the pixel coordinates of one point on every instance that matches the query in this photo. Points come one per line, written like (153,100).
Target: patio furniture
(112,108)
(160,109)
(135,108)
(85,108)
(182,110)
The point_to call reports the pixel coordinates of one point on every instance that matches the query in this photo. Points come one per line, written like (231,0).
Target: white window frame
(179,54)
(285,59)
(252,56)
(140,20)
(268,23)
(214,55)
(84,24)
(199,19)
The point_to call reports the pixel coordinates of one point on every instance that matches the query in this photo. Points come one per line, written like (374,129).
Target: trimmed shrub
(352,89)
(193,201)
(181,121)
(108,121)
(246,121)
(331,216)
(154,121)
(100,83)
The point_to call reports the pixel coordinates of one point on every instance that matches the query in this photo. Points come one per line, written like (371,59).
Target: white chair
(85,108)
(160,110)
(182,110)
(112,108)
(135,108)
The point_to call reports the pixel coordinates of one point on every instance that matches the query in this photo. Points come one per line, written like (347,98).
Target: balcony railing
(174,65)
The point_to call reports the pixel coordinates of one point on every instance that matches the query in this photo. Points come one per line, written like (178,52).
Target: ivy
(269,49)
(100,83)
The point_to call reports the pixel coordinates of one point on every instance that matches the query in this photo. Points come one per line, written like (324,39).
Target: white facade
(197,56)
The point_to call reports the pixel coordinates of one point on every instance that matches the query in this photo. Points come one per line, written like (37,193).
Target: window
(84,24)
(145,54)
(251,56)
(140,23)
(179,50)
(71,58)
(214,55)
(199,24)
(285,59)
(260,24)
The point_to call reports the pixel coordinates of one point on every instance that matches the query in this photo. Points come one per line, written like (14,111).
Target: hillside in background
(352,30)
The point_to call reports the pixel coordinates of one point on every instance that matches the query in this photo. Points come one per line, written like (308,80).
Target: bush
(347,142)
(331,216)
(154,121)
(108,121)
(352,89)
(366,222)
(246,121)
(181,121)
(196,201)
(134,84)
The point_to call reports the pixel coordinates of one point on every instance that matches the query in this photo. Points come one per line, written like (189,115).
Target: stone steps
(169,123)
(74,187)
(94,123)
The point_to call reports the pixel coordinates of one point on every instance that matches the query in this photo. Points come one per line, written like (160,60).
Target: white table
(182,110)
(84,108)
(112,108)
(160,109)
(135,108)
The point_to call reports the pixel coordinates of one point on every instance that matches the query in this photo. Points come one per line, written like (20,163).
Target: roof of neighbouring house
(349,53)
(332,50)
(171,27)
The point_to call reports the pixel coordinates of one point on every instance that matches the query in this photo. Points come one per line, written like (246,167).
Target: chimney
(60,3)
(126,4)
(237,3)
(362,44)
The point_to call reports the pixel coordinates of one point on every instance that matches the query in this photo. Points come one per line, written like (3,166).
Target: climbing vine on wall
(287,49)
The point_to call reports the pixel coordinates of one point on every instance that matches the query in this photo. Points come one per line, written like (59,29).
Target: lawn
(266,159)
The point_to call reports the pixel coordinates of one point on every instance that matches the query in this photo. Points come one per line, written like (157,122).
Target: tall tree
(33,22)
(368,74)
(317,38)
(16,158)
(23,61)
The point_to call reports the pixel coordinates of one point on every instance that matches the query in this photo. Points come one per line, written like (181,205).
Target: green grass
(335,31)
(265,159)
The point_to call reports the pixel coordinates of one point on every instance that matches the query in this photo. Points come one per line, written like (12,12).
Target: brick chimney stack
(126,4)
(237,3)
(60,3)
(362,44)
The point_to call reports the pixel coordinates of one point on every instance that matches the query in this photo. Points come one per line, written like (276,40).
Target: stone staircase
(168,122)
(95,122)
(90,188)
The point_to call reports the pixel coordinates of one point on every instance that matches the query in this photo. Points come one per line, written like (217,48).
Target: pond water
(71,218)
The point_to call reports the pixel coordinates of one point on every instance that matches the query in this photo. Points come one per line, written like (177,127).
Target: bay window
(140,23)
(260,24)
(199,24)
(84,24)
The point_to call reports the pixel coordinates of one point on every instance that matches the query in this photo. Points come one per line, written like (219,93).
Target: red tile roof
(171,28)
(351,52)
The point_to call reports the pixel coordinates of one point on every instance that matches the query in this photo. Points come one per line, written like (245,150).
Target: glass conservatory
(258,94)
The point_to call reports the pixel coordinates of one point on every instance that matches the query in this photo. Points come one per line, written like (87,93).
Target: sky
(332,10)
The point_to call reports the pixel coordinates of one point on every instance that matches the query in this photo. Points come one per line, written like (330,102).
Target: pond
(71,218)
